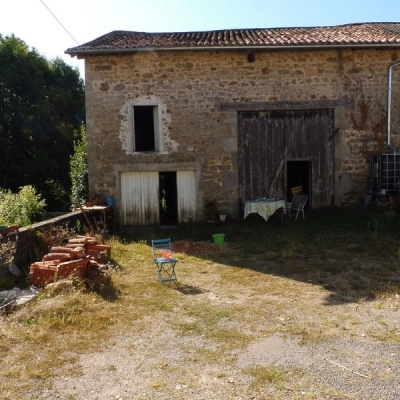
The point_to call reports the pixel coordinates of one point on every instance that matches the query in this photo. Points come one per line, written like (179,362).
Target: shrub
(79,171)
(22,208)
(56,195)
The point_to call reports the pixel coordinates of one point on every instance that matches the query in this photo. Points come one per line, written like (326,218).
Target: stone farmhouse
(177,120)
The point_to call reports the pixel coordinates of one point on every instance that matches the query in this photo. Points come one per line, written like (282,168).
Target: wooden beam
(284,105)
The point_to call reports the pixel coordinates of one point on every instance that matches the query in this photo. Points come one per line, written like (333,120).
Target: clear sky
(50,31)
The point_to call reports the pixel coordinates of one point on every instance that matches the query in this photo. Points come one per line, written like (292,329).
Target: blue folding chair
(164,260)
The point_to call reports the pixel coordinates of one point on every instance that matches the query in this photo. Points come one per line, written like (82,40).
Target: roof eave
(85,53)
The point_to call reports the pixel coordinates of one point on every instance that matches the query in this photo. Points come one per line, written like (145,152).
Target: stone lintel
(284,105)
(151,167)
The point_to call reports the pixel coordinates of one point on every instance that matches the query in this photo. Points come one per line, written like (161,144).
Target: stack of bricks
(80,259)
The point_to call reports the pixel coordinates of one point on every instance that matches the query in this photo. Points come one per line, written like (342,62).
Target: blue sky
(84,20)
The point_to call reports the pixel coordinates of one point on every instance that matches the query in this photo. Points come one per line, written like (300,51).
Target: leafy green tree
(79,171)
(41,112)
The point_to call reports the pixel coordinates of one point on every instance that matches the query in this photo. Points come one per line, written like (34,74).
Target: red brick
(42,273)
(83,240)
(59,249)
(45,272)
(66,269)
(96,250)
(56,256)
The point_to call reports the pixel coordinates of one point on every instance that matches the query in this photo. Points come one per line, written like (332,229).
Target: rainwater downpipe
(390,106)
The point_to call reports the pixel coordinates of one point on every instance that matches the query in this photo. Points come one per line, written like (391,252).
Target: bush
(21,208)
(79,171)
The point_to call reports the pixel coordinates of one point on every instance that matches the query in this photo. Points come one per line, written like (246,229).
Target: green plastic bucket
(219,239)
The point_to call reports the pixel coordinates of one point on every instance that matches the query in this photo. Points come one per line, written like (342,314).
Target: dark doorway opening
(298,174)
(144,128)
(168,198)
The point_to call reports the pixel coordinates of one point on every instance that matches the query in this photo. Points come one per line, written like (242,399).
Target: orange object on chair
(296,190)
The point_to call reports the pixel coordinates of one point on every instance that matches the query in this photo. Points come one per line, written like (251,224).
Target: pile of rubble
(191,247)
(82,259)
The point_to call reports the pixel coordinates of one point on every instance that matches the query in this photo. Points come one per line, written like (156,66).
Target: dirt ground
(305,341)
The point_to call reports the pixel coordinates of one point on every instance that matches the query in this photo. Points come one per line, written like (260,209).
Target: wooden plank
(273,191)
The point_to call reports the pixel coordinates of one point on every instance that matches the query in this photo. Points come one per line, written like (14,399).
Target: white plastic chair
(297,204)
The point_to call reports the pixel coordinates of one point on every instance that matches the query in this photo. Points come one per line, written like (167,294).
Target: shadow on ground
(353,253)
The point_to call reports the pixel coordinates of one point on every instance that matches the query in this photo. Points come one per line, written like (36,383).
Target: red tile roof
(352,35)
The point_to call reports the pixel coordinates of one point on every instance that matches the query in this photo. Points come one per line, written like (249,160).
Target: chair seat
(166,260)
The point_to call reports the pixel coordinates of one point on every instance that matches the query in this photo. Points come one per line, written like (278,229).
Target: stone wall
(190,86)
(28,238)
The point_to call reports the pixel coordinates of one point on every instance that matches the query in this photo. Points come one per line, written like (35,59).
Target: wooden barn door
(310,138)
(186,183)
(261,145)
(140,198)
(268,139)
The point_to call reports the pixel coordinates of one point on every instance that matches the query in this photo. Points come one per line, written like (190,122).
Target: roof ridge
(356,34)
(383,24)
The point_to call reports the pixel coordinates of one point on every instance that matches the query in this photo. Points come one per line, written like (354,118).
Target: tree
(42,107)
(79,171)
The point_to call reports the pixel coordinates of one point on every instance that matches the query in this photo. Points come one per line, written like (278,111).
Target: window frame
(156,126)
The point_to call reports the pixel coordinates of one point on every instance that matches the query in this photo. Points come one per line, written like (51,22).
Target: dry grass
(302,279)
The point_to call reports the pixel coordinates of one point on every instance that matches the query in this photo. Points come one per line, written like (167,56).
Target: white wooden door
(140,198)
(186,187)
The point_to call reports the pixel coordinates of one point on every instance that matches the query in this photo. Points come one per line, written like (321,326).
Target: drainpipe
(390,105)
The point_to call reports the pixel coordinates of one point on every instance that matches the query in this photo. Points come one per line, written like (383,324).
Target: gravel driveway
(132,369)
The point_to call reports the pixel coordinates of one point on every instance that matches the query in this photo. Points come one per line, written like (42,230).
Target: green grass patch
(263,375)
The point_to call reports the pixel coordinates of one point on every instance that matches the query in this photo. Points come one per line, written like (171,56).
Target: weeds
(263,375)
(58,235)
(7,250)
(43,240)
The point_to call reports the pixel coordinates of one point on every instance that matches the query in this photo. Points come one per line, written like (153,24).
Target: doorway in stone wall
(168,198)
(153,197)
(298,173)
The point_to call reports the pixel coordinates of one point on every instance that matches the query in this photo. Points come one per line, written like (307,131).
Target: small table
(263,207)
(103,215)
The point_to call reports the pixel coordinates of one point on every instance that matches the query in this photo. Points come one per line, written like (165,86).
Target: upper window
(145,128)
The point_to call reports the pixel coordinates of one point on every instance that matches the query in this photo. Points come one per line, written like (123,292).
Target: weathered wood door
(140,197)
(186,183)
(261,149)
(268,139)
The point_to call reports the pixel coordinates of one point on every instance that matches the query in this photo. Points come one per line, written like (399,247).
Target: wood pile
(81,259)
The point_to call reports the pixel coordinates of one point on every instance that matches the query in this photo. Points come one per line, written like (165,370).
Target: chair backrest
(162,248)
(299,200)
